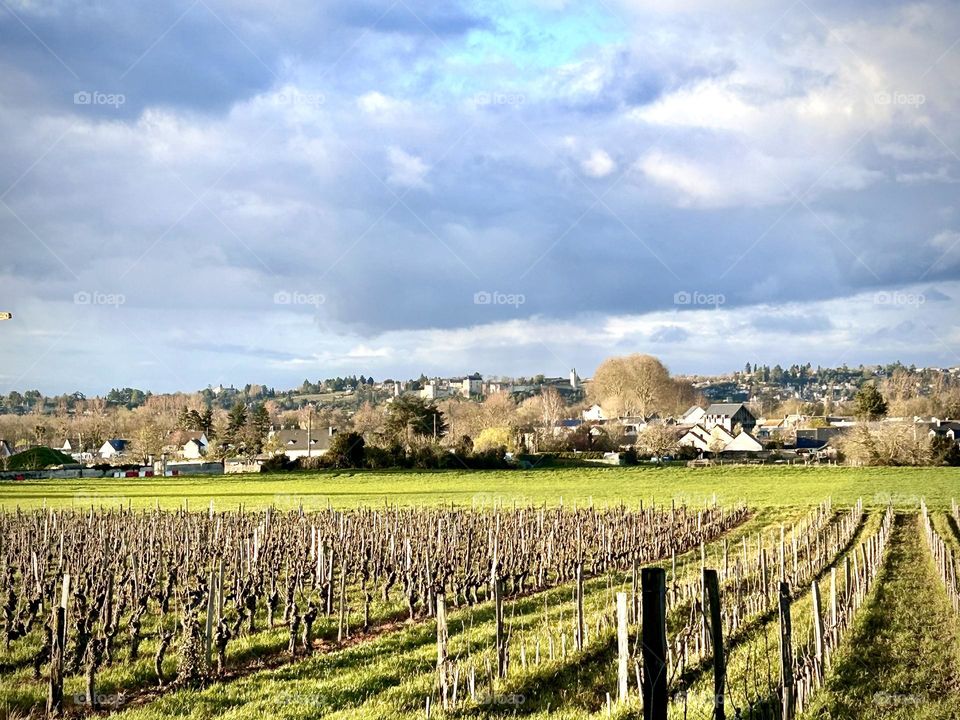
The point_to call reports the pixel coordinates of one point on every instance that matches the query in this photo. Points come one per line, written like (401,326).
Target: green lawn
(758,486)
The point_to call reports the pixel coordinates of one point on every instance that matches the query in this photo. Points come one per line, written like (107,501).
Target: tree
(347,450)
(657,440)
(869,404)
(260,419)
(148,440)
(236,421)
(408,418)
(634,385)
(552,407)
(493,438)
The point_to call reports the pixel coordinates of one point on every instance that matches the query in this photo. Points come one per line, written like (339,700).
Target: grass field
(758,486)
(900,658)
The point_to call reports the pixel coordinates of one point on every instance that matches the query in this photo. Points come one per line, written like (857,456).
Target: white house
(693,416)
(594,413)
(5,450)
(696,437)
(471,386)
(195,448)
(296,443)
(744,442)
(729,416)
(113,448)
(178,441)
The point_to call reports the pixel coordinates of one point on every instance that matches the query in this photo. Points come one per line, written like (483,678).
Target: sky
(198,192)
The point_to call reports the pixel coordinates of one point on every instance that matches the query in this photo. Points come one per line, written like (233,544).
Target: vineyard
(662,610)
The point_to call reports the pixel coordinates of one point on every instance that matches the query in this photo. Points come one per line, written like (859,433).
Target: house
(729,416)
(5,449)
(434,390)
(594,414)
(190,444)
(768,429)
(946,428)
(696,437)
(114,448)
(194,449)
(816,438)
(302,443)
(693,416)
(744,442)
(471,386)
(75,448)
(720,437)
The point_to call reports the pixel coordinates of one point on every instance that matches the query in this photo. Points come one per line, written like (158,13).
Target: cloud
(406,170)
(599,164)
(749,152)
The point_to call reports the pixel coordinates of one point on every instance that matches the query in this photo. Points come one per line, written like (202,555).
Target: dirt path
(902,659)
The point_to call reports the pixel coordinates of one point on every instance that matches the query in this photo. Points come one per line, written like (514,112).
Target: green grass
(903,657)
(390,675)
(759,486)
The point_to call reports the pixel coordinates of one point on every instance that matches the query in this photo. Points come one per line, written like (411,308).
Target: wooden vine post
(443,664)
(786,654)
(58,649)
(623,648)
(579,629)
(653,582)
(712,585)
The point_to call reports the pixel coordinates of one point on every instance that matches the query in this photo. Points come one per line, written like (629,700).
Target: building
(113,448)
(5,449)
(696,437)
(299,443)
(729,416)
(190,444)
(594,414)
(471,386)
(693,416)
(744,443)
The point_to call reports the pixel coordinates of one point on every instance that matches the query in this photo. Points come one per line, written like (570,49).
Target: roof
(117,444)
(182,437)
(726,408)
(297,439)
(744,442)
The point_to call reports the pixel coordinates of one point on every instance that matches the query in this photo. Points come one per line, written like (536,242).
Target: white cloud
(695,184)
(406,170)
(599,164)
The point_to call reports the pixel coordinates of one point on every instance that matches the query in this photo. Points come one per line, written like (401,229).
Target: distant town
(630,411)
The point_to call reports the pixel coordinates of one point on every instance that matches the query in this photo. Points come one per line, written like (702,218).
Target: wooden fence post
(623,647)
(442,638)
(786,653)
(653,582)
(58,649)
(817,632)
(712,585)
(501,636)
(578,630)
